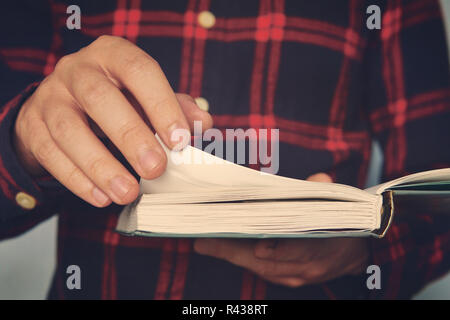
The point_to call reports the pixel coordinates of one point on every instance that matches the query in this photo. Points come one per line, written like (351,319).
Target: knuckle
(106,44)
(129,132)
(47,95)
(97,165)
(105,40)
(76,181)
(159,105)
(61,128)
(44,151)
(46,90)
(30,125)
(138,63)
(65,63)
(93,93)
(75,175)
(64,128)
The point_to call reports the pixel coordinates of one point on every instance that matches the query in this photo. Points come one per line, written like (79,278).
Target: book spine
(387,214)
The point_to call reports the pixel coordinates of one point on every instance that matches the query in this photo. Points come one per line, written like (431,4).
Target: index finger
(143,77)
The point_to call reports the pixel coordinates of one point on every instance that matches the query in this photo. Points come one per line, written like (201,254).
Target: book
(200,195)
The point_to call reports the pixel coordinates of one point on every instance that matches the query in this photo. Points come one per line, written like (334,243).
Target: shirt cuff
(20,193)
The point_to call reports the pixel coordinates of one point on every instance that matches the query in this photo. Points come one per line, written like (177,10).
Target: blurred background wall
(27,262)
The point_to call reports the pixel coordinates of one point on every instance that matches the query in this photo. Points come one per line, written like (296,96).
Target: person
(79,109)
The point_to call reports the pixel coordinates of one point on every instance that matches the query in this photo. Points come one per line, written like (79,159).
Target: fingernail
(202,104)
(120,186)
(149,160)
(100,197)
(179,136)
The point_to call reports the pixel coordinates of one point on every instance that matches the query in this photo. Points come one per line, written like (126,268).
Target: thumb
(320,177)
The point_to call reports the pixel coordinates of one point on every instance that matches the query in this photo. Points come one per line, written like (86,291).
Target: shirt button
(202,103)
(206,19)
(25,200)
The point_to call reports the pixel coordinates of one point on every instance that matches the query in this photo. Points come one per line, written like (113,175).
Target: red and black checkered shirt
(312,69)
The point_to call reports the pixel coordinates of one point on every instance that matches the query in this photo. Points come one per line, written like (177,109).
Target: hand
(112,88)
(292,262)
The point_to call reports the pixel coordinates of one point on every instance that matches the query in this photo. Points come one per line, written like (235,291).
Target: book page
(420,177)
(193,170)
(268,217)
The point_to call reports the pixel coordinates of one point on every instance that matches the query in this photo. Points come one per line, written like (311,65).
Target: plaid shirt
(310,68)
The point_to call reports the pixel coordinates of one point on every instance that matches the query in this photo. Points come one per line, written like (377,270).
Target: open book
(200,195)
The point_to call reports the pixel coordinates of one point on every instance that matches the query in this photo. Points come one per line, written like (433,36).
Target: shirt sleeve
(408,99)
(28,52)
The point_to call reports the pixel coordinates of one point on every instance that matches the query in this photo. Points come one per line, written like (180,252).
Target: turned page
(420,177)
(192,170)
